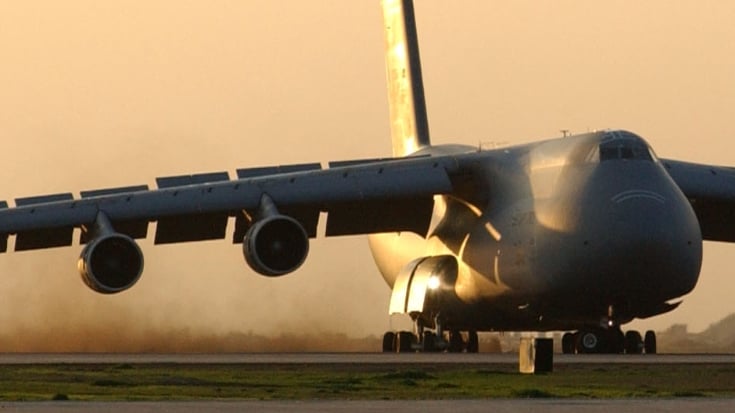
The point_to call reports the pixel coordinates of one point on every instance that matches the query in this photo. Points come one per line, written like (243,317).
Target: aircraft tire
(429,342)
(633,342)
(456,343)
(590,342)
(389,342)
(473,342)
(567,343)
(405,342)
(616,341)
(649,342)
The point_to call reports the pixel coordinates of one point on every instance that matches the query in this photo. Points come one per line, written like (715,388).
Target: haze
(104,94)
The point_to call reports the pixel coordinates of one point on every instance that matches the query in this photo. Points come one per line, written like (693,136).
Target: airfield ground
(377,380)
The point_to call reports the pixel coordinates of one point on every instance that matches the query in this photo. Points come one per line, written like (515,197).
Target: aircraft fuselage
(557,235)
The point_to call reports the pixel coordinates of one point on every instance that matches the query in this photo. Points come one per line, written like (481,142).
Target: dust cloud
(124,338)
(105,94)
(101,95)
(216,304)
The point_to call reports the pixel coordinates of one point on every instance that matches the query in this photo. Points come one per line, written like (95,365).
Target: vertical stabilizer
(408,122)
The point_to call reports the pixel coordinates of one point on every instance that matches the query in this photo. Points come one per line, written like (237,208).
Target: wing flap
(274,170)
(3,237)
(194,227)
(183,180)
(410,214)
(357,162)
(55,236)
(385,200)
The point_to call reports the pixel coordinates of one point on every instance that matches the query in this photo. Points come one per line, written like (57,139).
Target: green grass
(344,381)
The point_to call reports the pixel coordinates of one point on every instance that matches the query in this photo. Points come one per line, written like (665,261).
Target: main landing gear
(597,340)
(430,341)
(436,339)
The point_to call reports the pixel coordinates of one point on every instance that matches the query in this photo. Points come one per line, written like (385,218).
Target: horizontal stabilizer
(272,170)
(182,180)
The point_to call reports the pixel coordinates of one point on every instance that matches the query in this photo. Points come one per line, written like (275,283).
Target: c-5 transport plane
(580,234)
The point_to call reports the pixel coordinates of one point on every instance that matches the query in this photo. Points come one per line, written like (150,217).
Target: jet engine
(111,263)
(275,245)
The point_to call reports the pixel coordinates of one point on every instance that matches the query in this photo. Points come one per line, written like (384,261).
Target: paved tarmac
(350,358)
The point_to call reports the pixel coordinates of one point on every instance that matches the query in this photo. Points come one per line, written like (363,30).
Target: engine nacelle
(275,245)
(111,263)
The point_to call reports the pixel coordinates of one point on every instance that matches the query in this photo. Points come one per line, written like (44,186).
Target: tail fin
(408,121)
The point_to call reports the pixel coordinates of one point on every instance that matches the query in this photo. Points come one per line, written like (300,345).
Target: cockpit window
(624,145)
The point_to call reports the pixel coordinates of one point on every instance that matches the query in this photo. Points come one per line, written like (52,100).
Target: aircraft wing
(711,191)
(358,197)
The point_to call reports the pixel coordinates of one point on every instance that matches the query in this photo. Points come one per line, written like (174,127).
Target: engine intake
(111,263)
(275,245)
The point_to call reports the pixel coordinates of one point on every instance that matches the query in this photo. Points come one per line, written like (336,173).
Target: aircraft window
(624,149)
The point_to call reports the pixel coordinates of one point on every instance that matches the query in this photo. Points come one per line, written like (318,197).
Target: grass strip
(152,382)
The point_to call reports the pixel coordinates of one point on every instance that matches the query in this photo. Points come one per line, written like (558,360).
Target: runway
(351,358)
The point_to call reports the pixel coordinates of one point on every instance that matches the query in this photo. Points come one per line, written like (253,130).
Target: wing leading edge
(711,192)
(358,197)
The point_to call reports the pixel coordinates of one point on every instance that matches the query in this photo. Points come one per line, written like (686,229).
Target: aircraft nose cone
(655,245)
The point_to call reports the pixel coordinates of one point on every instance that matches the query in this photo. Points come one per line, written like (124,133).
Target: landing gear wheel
(473,343)
(456,343)
(567,343)
(429,342)
(633,342)
(616,341)
(406,339)
(649,342)
(590,341)
(389,342)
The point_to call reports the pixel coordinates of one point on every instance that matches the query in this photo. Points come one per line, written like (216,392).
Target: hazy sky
(101,94)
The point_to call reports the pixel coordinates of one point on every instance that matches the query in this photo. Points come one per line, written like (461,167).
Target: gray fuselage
(557,234)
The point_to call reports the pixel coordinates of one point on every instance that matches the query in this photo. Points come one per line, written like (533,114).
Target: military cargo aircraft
(581,233)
